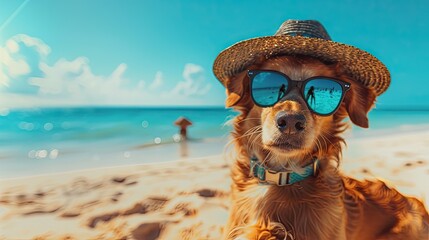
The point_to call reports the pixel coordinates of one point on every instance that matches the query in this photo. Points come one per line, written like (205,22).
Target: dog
(293,91)
(328,205)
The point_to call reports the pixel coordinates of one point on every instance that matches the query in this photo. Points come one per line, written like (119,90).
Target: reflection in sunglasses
(322,95)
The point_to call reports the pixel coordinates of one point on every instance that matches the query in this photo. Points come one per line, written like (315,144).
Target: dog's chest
(301,217)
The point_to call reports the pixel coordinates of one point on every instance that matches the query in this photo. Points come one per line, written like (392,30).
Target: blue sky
(150,53)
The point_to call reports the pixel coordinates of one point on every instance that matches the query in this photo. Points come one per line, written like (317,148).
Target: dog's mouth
(284,145)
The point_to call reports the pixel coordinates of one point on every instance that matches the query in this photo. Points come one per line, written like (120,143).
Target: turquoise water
(391,122)
(71,127)
(36,141)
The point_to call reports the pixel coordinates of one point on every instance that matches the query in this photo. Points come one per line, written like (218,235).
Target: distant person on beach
(183,123)
(310,94)
(282,90)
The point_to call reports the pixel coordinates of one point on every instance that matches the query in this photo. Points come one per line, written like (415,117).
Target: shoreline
(138,165)
(131,155)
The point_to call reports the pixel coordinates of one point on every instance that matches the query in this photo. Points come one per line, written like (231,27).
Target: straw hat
(303,37)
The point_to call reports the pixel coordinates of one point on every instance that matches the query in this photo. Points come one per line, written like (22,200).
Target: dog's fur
(328,206)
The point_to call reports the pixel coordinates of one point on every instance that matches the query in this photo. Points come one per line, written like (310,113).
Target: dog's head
(288,133)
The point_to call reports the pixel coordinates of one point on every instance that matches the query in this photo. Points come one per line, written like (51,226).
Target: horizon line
(383,108)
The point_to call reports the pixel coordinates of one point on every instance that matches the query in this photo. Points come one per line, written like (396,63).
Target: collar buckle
(277,178)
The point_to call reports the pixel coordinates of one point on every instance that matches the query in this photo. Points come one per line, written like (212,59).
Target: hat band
(308,28)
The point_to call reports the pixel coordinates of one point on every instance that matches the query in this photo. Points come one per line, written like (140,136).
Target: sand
(184,199)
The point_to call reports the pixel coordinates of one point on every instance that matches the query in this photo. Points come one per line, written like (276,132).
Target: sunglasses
(322,95)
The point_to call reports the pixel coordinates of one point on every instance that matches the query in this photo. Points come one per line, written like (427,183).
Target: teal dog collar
(281,178)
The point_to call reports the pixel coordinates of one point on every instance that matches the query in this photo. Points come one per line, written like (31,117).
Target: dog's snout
(290,122)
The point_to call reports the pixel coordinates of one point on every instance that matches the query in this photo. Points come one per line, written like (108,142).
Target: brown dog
(327,205)
(294,90)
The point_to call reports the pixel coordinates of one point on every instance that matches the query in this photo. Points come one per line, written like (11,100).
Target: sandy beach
(183,199)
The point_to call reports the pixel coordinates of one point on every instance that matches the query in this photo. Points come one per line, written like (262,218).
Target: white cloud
(72,82)
(11,66)
(41,47)
(60,77)
(12,63)
(194,83)
(4,79)
(157,82)
(12,46)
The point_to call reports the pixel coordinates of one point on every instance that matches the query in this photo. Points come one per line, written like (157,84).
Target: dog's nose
(290,123)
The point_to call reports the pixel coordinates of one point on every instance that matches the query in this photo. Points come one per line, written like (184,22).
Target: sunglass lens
(268,88)
(323,95)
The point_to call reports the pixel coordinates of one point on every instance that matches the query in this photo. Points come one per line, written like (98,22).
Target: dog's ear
(235,90)
(232,98)
(359,100)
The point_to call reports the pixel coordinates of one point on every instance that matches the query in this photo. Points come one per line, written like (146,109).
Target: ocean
(49,140)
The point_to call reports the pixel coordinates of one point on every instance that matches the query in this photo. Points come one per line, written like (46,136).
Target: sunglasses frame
(300,85)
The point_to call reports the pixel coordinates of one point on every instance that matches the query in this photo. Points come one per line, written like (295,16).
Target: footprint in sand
(415,163)
(149,205)
(102,218)
(188,204)
(147,231)
(409,165)
(23,199)
(137,208)
(186,208)
(40,194)
(123,180)
(421,162)
(119,179)
(70,214)
(29,205)
(207,193)
(115,197)
(43,210)
(32,203)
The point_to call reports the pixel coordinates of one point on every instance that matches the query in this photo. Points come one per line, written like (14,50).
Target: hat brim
(361,66)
